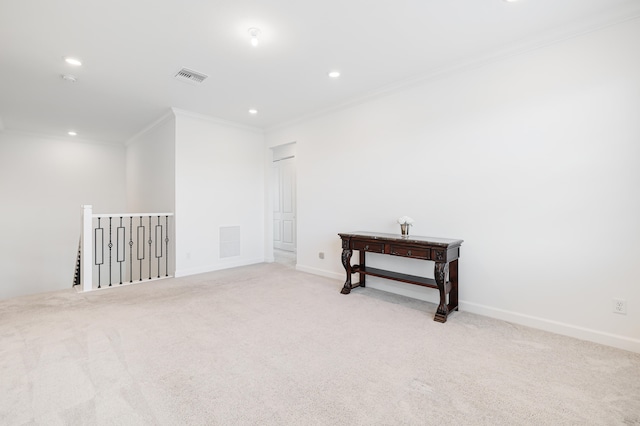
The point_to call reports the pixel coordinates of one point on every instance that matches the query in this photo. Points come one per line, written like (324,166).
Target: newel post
(87,253)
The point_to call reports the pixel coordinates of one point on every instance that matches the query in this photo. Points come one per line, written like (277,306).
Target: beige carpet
(287,258)
(265,345)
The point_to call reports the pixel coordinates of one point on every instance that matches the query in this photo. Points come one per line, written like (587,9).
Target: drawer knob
(366,247)
(409,252)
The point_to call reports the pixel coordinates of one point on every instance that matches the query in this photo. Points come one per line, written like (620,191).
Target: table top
(436,241)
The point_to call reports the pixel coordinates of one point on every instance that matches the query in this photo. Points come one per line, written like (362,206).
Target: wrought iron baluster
(131,249)
(140,246)
(98,235)
(158,243)
(166,241)
(110,247)
(150,247)
(120,247)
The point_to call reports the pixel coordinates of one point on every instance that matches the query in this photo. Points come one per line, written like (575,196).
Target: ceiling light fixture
(254,33)
(73,61)
(253,111)
(70,78)
(334,74)
(72,133)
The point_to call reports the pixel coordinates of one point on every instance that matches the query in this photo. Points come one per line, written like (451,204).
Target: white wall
(43,183)
(150,165)
(219,171)
(151,168)
(533,160)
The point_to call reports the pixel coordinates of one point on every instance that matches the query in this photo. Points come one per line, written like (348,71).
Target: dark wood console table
(444,252)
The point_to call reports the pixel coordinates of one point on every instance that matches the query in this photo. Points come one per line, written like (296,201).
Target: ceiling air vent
(190,76)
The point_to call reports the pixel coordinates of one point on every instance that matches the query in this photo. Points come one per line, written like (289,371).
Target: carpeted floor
(267,345)
(287,258)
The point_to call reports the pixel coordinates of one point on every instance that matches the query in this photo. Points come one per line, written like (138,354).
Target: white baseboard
(557,327)
(321,272)
(616,341)
(217,267)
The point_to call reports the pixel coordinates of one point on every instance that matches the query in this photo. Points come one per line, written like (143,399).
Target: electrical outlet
(620,306)
(321,255)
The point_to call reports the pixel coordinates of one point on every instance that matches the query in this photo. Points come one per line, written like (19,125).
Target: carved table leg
(453,279)
(346,262)
(440,276)
(362,266)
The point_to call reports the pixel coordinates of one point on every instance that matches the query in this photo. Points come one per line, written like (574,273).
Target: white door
(284,204)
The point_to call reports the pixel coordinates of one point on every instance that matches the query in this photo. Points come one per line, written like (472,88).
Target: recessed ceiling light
(73,61)
(253,111)
(510,1)
(254,33)
(334,74)
(70,78)
(72,133)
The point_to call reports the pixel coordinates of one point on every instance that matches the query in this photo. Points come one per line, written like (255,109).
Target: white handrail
(130,214)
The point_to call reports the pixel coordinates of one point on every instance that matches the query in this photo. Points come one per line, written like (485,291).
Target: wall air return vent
(190,76)
(229,241)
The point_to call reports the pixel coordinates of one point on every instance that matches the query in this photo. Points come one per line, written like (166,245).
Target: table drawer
(367,246)
(415,252)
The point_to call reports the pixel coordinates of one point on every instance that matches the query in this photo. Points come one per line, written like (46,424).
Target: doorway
(284,204)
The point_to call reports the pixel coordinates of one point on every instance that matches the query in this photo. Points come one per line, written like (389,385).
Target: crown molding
(164,117)
(216,120)
(69,139)
(174,112)
(521,47)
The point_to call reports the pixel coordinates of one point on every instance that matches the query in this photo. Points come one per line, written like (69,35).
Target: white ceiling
(132,49)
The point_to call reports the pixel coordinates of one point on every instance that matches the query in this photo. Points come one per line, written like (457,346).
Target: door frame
(275,152)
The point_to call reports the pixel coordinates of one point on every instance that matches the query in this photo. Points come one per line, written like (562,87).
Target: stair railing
(124,248)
